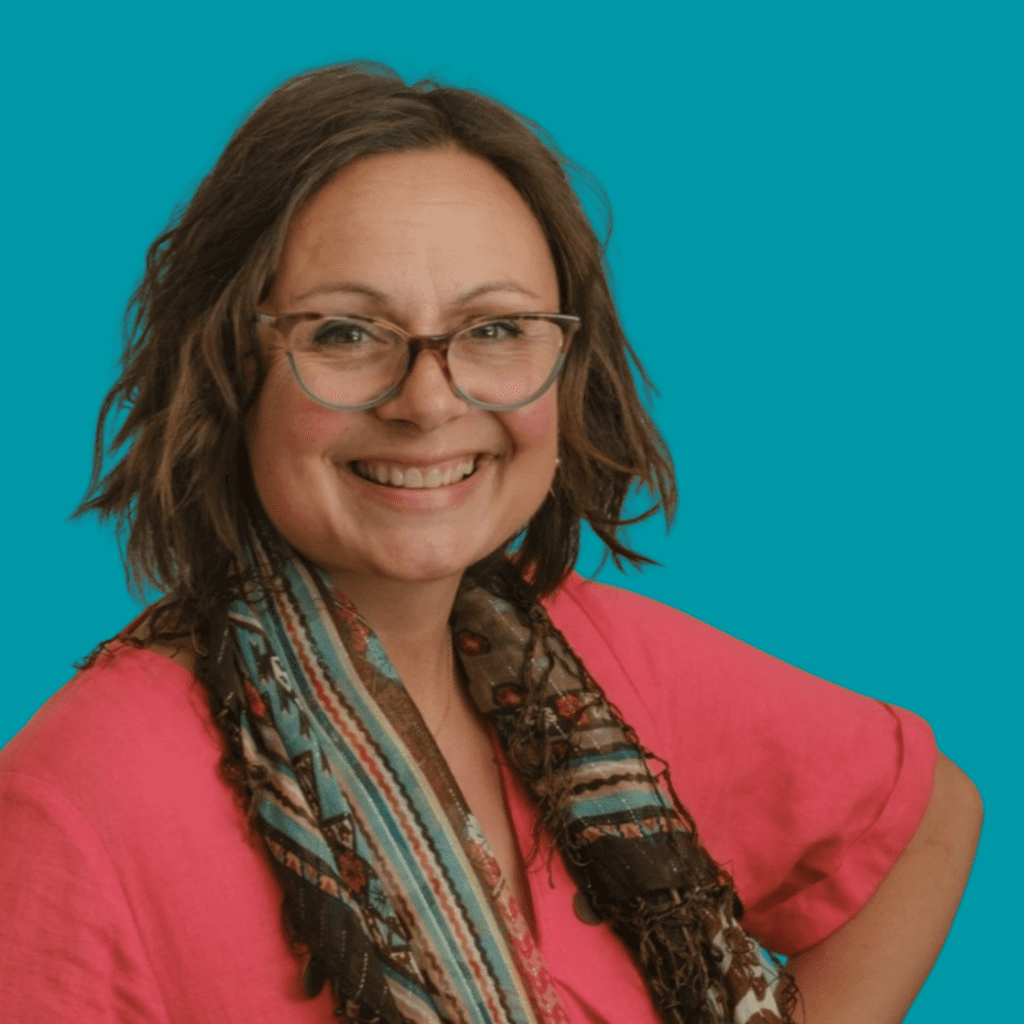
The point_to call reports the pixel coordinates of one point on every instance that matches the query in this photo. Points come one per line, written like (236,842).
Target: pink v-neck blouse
(131,891)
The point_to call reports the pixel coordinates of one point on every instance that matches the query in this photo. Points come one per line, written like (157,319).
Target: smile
(441,474)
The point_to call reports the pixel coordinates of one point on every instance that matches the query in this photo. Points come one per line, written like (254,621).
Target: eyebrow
(329,287)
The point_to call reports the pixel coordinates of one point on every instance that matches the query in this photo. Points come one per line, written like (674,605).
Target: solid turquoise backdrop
(817,254)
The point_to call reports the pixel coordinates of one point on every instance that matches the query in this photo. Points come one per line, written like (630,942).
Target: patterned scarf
(391,888)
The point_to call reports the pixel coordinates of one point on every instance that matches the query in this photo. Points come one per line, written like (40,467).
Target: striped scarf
(390,886)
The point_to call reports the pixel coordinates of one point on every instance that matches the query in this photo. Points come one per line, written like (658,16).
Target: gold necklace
(451,691)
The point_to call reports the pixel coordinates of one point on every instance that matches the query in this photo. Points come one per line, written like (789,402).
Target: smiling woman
(375,383)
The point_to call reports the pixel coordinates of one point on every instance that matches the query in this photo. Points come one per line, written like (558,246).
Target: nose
(426,398)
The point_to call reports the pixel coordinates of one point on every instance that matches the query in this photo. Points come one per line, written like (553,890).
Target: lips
(412,477)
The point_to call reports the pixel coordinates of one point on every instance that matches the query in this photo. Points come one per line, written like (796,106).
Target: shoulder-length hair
(179,487)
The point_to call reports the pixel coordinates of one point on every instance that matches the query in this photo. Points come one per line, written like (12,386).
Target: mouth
(419,478)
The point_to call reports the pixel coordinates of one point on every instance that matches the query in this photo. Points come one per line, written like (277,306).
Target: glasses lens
(505,361)
(347,360)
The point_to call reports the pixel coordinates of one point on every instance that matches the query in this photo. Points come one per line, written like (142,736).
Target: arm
(870,970)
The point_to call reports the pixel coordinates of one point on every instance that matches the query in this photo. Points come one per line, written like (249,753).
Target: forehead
(439,219)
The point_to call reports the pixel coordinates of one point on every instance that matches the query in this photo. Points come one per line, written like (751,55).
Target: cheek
(534,430)
(289,440)
(286,427)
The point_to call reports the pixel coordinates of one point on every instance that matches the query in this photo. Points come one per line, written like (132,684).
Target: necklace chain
(451,690)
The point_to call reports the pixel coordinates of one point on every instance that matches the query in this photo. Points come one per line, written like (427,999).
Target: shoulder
(596,618)
(126,862)
(670,655)
(621,638)
(133,720)
(670,674)
(597,612)
(126,758)
(608,606)
(700,683)
(660,644)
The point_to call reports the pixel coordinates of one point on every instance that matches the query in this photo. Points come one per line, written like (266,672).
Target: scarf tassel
(339,952)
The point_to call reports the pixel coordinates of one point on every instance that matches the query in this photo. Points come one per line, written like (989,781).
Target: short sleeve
(805,791)
(69,950)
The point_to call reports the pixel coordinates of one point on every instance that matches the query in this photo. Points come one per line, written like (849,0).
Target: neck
(411,620)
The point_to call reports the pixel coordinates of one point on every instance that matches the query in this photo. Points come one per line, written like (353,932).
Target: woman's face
(425,240)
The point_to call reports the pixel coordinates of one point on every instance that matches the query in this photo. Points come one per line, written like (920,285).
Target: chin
(429,569)
(422,565)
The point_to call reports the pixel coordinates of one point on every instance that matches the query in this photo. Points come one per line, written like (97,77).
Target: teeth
(415,478)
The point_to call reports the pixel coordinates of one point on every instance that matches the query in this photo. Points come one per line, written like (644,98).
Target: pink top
(131,892)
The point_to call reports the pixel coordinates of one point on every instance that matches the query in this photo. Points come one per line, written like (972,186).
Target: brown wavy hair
(179,487)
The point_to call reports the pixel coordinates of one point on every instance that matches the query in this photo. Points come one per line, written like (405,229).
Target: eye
(344,333)
(496,330)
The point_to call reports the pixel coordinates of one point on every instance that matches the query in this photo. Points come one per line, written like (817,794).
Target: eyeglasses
(352,363)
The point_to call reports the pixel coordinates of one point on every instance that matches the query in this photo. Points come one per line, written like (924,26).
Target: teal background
(817,253)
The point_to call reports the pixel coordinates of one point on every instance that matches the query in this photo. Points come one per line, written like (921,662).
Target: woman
(375,383)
